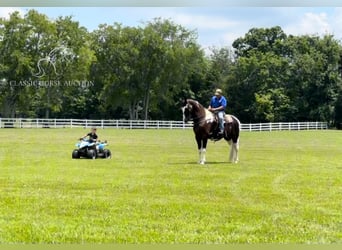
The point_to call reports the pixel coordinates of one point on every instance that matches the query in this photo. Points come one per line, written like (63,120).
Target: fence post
(70,123)
(102,124)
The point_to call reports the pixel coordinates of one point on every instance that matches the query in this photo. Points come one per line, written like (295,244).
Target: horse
(206,126)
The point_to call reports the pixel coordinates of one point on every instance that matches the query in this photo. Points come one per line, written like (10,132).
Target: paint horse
(206,126)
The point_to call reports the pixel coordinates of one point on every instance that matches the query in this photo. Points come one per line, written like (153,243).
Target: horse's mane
(202,111)
(195,103)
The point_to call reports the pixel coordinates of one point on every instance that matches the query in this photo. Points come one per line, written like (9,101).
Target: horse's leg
(235,150)
(232,138)
(236,141)
(204,150)
(235,146)
(199,146)
(231,154)
(228,138)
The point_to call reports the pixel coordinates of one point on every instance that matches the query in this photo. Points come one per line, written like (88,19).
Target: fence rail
(147,124)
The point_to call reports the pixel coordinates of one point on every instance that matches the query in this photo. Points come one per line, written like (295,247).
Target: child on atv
(92,136)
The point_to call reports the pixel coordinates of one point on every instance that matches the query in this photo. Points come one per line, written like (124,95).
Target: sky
(215,26)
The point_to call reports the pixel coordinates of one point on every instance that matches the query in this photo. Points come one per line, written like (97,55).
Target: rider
(217,105)
(92,136)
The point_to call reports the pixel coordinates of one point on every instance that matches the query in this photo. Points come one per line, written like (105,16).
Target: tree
(278,77)
(56,68)
(38,56)
(78,89)
(177,58)
(142,67)
(315,81)
(261,39)
(117,52)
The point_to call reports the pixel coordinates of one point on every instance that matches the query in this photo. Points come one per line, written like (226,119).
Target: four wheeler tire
(107,154)
(75,154)
(91,154)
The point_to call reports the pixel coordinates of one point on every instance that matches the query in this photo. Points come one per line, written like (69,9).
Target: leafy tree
(36,53)
(179,60)
(278,77)
(116,66)
(261,39)
(144,67)
(78,89)
(14,61)
(144,72)
(315,81)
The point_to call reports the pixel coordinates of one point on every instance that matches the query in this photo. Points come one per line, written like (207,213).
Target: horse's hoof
(202,163)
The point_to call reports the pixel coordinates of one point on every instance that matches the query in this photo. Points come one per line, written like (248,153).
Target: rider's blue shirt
(218,102)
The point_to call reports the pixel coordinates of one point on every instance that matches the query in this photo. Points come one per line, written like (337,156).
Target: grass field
(287,188)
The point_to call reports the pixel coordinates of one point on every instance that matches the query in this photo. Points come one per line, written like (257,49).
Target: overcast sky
(215,26)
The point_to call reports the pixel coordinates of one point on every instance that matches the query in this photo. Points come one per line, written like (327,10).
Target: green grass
(287,188)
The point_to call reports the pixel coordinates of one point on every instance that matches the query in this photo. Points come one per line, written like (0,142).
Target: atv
(91,150)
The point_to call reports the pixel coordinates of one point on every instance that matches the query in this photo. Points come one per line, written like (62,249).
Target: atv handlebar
(97,142)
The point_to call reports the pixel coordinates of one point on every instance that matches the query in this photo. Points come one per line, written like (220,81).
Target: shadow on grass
(88,159)
(196,163)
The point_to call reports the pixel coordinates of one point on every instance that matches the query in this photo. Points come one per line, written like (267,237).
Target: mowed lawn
(287,188)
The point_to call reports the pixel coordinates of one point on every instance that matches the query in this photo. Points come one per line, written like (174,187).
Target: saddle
(213,118)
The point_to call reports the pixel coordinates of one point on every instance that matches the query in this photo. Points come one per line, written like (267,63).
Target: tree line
(57,68)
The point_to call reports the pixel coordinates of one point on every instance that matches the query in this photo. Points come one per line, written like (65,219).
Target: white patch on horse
(201,153)
(228,118)
(183,110)
(209,116)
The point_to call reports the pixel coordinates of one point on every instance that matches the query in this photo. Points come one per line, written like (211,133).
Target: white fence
(284,126)
(147,124)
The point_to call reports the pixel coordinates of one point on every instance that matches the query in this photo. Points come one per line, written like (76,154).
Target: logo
(54,61)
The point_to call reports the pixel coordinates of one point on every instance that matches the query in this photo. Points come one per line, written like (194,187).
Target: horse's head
(190,110)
